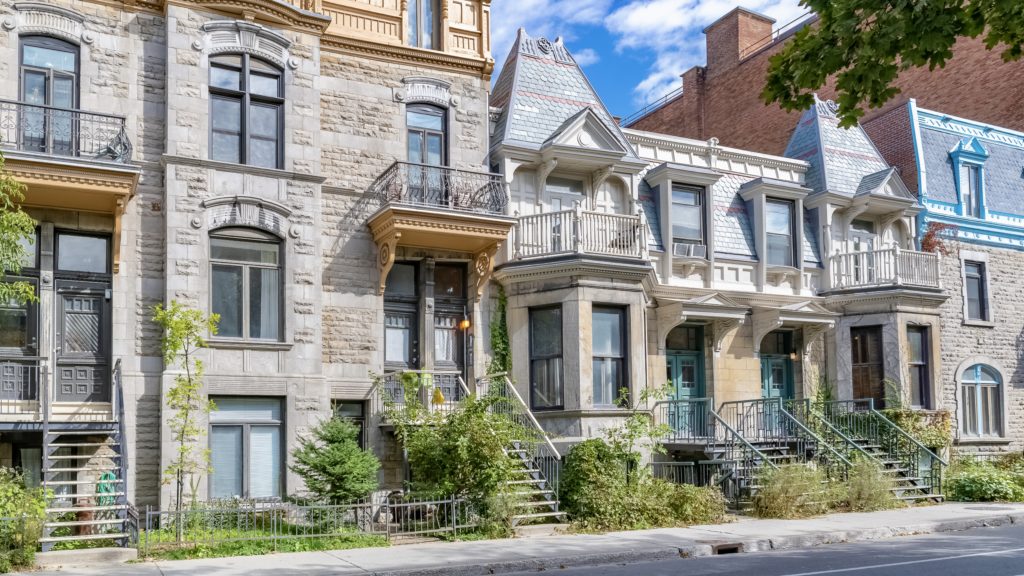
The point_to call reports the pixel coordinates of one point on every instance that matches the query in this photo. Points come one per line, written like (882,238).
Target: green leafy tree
(184,333)
(15,227)
(866,43)
(639,432)
(501,353)
(333,465)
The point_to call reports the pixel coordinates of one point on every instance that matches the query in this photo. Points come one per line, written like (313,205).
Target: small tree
(184,331)
(333,465)
(639,431)
(15,226)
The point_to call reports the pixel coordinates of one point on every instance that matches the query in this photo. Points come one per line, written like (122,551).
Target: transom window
(687,215)
(779,229)
(82,253)
(981,389)
(246,111)
(246,283)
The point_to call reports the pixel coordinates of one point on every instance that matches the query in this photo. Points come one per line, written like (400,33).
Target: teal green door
(776,377)
(686,375)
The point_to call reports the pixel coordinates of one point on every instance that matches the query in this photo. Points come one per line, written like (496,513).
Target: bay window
(609,354)
(546,374)
(779,231)
(920,370)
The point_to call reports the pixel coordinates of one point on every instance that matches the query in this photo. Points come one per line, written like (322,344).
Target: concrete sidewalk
(554,552)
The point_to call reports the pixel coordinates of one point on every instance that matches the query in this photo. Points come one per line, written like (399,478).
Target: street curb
(655,553)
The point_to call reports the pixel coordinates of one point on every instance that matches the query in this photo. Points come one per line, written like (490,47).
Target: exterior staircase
(538,462)
(84,472)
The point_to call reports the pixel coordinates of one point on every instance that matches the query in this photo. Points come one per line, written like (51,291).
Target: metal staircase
(84,473)
(916,470)
(538,462)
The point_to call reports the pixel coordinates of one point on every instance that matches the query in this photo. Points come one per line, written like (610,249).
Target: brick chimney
(734,36)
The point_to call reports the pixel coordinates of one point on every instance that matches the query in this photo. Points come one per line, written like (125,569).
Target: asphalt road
(977,552)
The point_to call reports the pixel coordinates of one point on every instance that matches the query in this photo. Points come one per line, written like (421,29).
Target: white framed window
(609,354)
(687,215)
(981,401)
(779,232)
(423,24)
(245,283)
(970,189)
(246,447)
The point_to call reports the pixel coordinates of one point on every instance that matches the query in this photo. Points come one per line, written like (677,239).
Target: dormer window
(779,229)
(687,219)
(970,188)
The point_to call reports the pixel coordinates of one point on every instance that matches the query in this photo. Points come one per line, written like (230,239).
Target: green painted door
(776,384)
(686,374)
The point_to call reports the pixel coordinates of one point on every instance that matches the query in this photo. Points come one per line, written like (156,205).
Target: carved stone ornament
(248,37)
(293,63)
(9,23)
(88,37)
(196,222)
(426,90)
(247,211)
(48,20)
(197,45)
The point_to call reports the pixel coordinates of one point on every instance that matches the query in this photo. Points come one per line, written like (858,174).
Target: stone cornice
(885,300)
(276,11)
(407,54)
(704,149)
(582,265)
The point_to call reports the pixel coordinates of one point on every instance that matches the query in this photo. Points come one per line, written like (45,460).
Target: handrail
(737,436)
(699,425)
(820,441)
(901,432)
(833,429)
(526,409)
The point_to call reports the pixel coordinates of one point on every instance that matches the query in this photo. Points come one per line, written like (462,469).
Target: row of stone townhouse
(340,183)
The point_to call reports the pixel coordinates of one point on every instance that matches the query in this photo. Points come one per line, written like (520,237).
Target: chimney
(734,36)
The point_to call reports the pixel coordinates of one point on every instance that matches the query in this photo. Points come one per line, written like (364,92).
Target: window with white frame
(970,189)
(981,401)
(687,215)
(245,283)
(423,24)
(246,447)
(976,291)
(779,232)
(609,354)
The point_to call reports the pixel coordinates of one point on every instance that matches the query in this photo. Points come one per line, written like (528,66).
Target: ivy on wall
(501,353)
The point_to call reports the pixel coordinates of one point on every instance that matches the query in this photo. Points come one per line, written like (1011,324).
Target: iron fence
(63,132)
(395,517)
(20,382)
(441,187)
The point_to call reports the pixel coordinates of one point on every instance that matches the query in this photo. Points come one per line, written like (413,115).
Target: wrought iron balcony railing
(63,132)
(441,187)
(20,387)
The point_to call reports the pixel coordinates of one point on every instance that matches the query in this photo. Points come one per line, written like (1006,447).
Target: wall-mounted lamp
(794,356)
(464,324)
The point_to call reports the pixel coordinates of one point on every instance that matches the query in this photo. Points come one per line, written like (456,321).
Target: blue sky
(633,51)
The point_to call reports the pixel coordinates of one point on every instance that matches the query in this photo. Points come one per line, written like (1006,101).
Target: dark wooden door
(866,361)
(83,342)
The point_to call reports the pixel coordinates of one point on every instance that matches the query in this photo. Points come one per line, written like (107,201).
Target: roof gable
(586,130)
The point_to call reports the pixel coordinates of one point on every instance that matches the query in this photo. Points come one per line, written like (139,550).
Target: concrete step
(83,496)
(83,432)
(535,503)
(78,482)
(106,522)
(111,507)
(88,469)
(107,536)
(82,444)
(82,456)
(538,515)
(85,557)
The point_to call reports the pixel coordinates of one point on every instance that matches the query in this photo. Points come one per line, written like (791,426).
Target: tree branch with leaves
(184,333)
(865,44)
(15,227)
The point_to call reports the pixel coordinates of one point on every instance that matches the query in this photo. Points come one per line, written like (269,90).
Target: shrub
(868,488)
(334,467)
(984,482)
(793,491)
(697,504)
(591,474)
(19,538)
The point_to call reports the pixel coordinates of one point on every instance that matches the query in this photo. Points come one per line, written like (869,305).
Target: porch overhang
(715,310)
(812,317)
(438,229)
(72,184)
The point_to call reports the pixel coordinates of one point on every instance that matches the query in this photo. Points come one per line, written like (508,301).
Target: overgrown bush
(24,510)
(869,488)
(598,495)
(972,481)
(336,470)
(793,491)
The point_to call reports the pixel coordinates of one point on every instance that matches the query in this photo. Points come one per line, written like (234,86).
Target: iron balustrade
(739,460)
(689,420)
(69,132)
(441,187)
(859,420)
(885,267)
(21,383)
(536,447)
(580,231)
(434,391)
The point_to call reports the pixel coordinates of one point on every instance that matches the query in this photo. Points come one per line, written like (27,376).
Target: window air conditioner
(688,250)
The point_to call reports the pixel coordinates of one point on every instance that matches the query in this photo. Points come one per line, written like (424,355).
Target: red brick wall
(975,84)
(893,137)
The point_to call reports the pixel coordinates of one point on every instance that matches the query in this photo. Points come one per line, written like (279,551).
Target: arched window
(427,135)
(246,111)
(49,77)
(982,409)
(245,283)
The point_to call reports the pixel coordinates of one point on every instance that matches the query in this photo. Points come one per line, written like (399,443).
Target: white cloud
(586,56)
(672,30)
(548,18)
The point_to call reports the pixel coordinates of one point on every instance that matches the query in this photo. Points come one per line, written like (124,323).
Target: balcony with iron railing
(439,207)
(579,231)
(63,132)
(885,267)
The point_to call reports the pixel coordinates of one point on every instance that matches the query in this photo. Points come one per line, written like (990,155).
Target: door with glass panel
(562,194)
(685,363)
(450,309)
(49,82)
(426,153)
(862,242)
(776,379)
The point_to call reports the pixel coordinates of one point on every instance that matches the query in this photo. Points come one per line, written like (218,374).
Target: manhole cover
(988,508)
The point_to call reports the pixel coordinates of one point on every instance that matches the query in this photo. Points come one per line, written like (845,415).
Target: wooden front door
(83,341)
(866,363)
